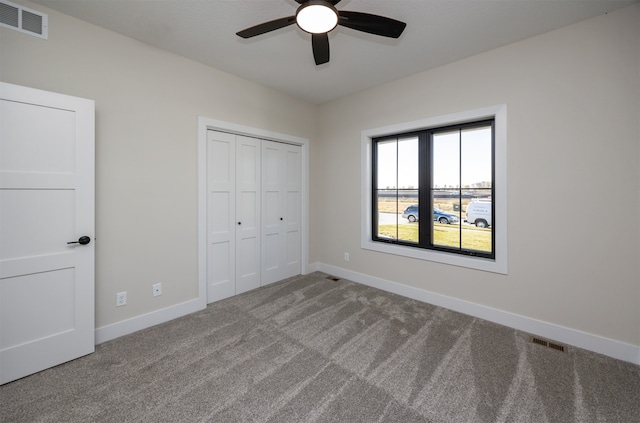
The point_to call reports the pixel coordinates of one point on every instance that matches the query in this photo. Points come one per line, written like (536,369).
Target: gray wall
(572,99)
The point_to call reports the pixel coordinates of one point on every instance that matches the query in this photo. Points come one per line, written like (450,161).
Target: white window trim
(496,265)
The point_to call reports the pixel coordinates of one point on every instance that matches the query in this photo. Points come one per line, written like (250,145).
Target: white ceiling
(438,32)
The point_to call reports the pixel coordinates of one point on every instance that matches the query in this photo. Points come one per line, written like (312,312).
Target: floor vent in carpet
(333,278)
(549,344)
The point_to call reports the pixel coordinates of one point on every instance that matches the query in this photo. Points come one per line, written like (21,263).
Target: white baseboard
(313,267)
(587,341)
(134,324)
(580,339)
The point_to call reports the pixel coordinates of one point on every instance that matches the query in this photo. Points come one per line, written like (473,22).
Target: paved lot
(392,218)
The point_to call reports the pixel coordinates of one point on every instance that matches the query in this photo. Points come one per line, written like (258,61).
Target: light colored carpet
(309,349)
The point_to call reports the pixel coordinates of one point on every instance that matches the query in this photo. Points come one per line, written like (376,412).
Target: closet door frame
(205,124)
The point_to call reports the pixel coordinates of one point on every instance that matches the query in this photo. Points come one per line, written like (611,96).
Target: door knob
(239,223)
(83,240)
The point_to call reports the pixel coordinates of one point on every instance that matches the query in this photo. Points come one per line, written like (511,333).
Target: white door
(221,216)
(281,217)
(247,214)
(273,215)
(293,210)
(46,206)
(233,214)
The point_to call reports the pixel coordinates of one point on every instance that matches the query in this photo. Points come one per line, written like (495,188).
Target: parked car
(411,213)
(479,214)
(444,217)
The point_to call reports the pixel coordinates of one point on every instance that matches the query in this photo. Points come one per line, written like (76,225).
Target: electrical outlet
(157,289)
(346,256)
(121,298)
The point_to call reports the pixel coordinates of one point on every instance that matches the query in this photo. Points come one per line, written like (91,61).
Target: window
(425,183)
(436,189)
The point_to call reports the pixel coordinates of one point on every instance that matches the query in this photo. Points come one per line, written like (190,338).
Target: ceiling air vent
(22,19)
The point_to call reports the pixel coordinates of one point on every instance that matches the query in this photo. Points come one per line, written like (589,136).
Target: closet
(253,213)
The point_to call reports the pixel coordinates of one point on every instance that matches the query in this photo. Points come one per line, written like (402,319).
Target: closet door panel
(281,182)
(221,275)
(221,156)
(248,209)
(293,210)
(247,276)
(292,234)
(272,213)
(220,222)
(271,233)
(271,258)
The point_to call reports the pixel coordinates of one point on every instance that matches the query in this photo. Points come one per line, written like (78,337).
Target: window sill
(489,265)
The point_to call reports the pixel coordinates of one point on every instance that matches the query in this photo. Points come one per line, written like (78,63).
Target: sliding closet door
(221,216)
(247,214)
(293,207)
(273,215)
(233,214)
(281,217)
(254,213)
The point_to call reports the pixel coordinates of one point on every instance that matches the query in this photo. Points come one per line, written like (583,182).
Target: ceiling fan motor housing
(317,16)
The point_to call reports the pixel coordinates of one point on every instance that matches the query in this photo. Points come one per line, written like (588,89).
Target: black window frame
(425,190)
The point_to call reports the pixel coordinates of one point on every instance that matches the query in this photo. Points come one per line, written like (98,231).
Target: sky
(476,159)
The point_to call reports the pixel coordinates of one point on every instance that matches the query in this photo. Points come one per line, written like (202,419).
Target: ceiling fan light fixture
(317,17)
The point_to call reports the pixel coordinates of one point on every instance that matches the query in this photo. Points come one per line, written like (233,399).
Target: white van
(479,213)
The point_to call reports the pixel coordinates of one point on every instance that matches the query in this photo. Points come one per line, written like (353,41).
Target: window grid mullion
(397,191)
(460,188)
(424,190)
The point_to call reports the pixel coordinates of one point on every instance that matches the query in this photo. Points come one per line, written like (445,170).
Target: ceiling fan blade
(373,24)
(266,27)
(320,43)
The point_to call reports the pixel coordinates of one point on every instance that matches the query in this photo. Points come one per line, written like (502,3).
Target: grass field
(443,235)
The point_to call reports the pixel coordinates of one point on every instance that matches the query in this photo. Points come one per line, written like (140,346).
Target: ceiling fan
(319,17)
